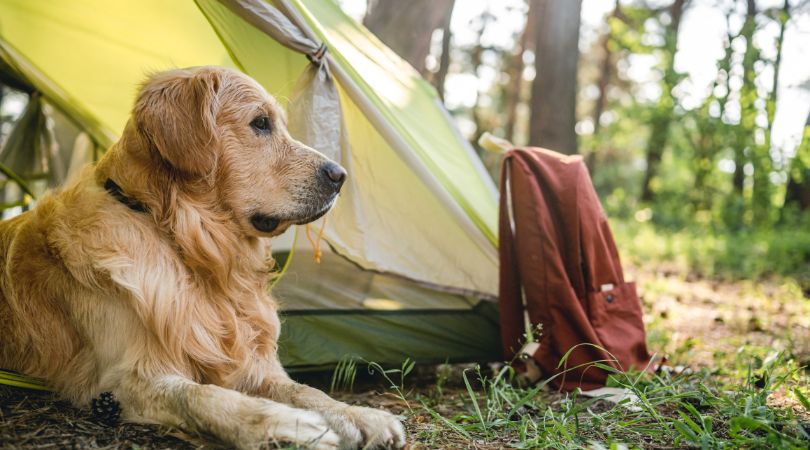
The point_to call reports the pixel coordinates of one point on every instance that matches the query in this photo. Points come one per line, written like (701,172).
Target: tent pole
(57,96)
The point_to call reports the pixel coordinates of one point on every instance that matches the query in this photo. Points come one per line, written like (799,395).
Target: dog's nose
(334,174)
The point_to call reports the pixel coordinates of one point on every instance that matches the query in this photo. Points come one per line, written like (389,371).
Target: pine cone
(106,408)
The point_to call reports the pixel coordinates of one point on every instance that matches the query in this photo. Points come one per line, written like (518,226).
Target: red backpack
(559,264)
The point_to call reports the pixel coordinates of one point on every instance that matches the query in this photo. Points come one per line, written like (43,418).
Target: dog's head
(215,127)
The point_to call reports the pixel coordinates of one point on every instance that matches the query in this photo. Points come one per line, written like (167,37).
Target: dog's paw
(302,428)
(366,428)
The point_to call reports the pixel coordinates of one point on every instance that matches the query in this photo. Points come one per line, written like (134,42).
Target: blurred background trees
(408,27)
(663,146)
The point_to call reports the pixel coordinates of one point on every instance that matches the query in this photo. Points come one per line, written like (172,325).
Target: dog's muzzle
(330,179)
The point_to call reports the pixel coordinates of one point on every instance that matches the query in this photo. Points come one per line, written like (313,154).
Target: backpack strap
(510,299)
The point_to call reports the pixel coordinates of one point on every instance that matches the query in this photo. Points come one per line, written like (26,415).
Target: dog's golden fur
(168,308)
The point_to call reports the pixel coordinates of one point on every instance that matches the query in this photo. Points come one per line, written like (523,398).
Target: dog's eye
(261,125)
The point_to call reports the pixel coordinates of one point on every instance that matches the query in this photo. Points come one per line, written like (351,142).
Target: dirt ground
(690,320)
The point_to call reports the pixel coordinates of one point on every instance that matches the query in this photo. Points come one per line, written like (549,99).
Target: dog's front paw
(303,428)
(366,428)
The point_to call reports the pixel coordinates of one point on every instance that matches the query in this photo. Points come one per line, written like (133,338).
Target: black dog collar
(115,190)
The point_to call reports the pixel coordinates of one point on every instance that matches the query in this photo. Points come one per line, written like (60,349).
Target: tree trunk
(407,26)
(604,73)
(748,113)
(602,83)
(554,90)
(516,67)
(476,58)
(761,156)
(444,61)
(663,114)
(798,188)
(711,131)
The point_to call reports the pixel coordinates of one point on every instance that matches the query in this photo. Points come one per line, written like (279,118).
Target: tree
(444,60)
(709,132)
(761,155)
(515,70)
(798,189)
(604,70)
(663,113)
(748,96)
(554,89)
(480,118)
(603,82)
(407,26)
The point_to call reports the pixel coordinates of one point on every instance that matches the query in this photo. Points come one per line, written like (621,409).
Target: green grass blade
(802,399)
(445,421)
(474,399)
(18,380)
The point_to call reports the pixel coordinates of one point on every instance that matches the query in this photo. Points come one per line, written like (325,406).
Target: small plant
(344,375)
(403,371)
(443,373)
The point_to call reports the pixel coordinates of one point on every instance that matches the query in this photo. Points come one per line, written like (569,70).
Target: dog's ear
(176,111)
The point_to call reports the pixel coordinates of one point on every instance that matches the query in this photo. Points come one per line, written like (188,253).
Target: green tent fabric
(418,208)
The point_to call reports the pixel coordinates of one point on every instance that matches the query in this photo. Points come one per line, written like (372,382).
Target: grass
(759,401)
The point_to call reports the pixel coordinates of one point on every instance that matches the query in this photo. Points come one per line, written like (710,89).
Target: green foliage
(628,31)
(716,252)
(712,167)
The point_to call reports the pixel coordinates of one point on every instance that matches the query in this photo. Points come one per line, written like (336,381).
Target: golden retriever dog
(147,275)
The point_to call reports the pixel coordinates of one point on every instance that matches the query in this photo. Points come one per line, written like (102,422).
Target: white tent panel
(388,220)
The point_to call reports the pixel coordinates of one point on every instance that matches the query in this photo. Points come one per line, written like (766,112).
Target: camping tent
(411,265)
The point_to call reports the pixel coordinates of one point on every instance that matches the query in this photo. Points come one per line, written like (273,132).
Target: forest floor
(746,346)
